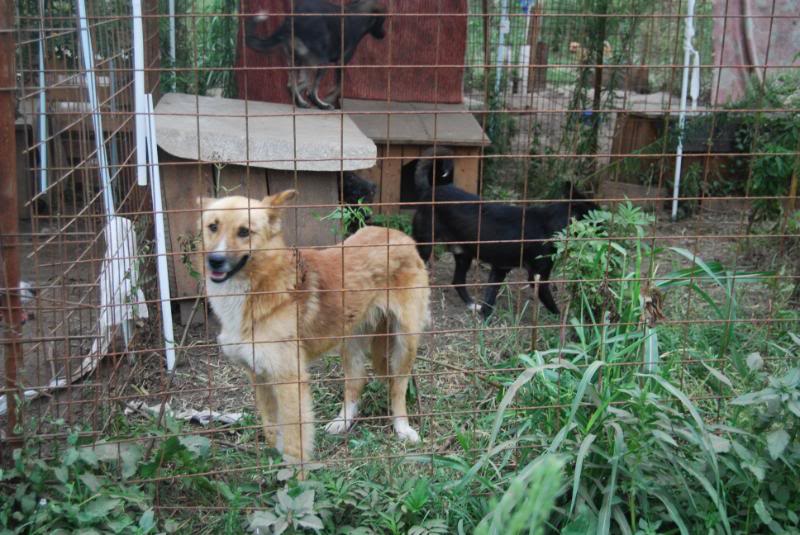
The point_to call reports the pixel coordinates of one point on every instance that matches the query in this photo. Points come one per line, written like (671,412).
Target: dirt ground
(459,344)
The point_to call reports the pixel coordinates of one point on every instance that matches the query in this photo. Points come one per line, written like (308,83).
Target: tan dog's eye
(212,227)
(244,232)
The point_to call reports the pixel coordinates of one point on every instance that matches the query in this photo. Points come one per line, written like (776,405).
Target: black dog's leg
(297,85)
(496,276)
(543,267)
(421,230)
(334,97)
(314,95)
(463,263)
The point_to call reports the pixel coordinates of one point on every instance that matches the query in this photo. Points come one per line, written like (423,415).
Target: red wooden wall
(415,47)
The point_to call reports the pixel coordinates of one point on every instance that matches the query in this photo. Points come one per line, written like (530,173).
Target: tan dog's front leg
(295,417)
(265,403)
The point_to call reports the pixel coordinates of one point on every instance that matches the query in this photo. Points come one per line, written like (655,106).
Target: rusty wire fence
(129,121)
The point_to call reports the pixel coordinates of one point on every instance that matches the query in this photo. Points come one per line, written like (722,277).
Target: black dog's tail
(434,168)
(261,44)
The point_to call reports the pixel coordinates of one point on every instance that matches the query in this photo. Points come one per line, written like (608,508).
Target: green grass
(636,425)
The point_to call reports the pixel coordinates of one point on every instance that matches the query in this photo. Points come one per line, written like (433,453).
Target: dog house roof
(416,123)
(261,134)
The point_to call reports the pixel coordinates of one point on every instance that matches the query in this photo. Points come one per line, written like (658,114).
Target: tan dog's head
(235,228)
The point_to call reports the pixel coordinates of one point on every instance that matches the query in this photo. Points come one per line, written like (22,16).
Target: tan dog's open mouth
(219,267)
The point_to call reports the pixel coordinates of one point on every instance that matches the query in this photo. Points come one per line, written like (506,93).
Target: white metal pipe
(161,241)
(172,48)
(140,106)
(87,53)
(505,27)
(688,50)
(42,105)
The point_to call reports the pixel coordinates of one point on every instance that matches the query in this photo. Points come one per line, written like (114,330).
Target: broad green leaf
(198,445)
(794,406)
(310,522)
(100,507)
(776,442)
(88,456)
(61,473)
(118,524)
(131,454)
(651,354)
(304,502)
(70,456)
(761,511)
(754,361)
(285,500)
(90,480)
(262,520)
(147,522)
(284,474)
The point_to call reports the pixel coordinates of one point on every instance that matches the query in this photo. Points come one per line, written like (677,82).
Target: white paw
(474,307)
(261,16)
(338,426)
(405,432)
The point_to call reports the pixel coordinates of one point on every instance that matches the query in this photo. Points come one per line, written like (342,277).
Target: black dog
(314,39)
(505,241)
(355,193)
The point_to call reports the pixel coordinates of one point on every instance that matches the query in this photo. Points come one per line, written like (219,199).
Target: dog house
(210,147)
(404,91)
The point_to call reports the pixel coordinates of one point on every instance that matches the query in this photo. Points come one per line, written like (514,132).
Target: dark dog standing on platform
(314,39)
(502,229)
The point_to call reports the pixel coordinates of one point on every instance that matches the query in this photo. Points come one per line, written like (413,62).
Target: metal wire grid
(61,245)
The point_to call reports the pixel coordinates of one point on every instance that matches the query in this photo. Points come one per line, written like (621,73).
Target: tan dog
(280,308)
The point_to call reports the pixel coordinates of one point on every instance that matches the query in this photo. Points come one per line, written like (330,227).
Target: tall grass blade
(712,493)
(701,427)
(692,257)
(520,381)
(588,375)
(651,354)
(582,451)
(674,514)
(604,518)
(528,501)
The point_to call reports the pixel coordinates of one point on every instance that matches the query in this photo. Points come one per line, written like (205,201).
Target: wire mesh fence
(547,246)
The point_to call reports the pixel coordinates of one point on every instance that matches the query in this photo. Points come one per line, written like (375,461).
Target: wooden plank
(391,178)
(410,153)
(467,168)
(302,226)
(238,180)
(182,182)
(412,123)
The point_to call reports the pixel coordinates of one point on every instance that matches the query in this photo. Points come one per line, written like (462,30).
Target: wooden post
(537,73)
(9,222)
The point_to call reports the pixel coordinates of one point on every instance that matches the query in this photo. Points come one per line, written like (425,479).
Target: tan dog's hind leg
(295,417)
(403,355)
(355,377)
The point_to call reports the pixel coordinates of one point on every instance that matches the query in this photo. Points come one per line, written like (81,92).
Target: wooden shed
(402,130)
(216,147)
(403,91)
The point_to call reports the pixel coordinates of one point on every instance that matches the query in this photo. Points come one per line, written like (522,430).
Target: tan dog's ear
(281,198)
